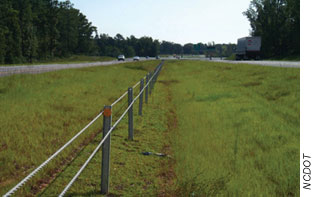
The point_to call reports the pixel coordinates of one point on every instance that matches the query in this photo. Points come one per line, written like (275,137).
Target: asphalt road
(291,64)
(34,69)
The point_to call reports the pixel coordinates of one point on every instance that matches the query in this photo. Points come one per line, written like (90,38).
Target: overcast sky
(179,21)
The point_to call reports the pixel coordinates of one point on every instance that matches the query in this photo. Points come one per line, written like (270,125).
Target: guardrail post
(106,150)
(146,89)
(141,97)
(130,114)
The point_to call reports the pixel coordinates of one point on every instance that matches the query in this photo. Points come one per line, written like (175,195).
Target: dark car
(157,57)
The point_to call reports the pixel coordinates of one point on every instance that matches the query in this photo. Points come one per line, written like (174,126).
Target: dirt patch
(167,174)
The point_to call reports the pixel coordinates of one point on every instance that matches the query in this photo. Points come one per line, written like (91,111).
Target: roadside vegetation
(229,129)
(238,129)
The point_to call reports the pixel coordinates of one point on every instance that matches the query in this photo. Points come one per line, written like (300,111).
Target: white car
(121,57)
(136,58)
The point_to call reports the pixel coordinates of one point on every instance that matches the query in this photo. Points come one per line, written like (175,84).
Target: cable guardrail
(28,177)
(149,83)
(104,138)
(124,94)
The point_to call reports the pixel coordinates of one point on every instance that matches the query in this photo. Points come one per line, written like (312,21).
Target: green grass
(238,129)
(39,113)
(66,60)
(229,129)
(131,173)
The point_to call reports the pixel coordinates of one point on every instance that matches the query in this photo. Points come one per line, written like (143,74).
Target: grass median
(238,129)
(228,130)
(39,113)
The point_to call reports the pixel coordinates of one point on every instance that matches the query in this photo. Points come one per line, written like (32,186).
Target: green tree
(13,52)
(278,23)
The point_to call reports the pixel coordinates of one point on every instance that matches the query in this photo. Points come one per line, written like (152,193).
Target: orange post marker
(107,112)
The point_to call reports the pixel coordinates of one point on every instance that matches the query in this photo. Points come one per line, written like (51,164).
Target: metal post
(106,150)
(146,89)
(141,97)
(130,115)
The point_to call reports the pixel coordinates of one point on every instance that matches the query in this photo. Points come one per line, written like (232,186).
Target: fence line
(28,177)
(124,94)
(21,183)
(103,140)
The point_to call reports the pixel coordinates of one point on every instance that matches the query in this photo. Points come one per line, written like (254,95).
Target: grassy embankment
(39,113)
(66,60)
(234,129)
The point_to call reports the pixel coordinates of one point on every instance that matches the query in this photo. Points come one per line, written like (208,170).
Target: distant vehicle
(248,48)
(121,57)
(147,57)
(157,57)
(136,58)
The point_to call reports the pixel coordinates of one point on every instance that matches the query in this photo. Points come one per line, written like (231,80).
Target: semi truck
(248,48)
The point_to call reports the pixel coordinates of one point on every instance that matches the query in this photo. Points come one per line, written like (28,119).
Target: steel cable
(21,183)
(103,140)
(122,96)
(117,112)
(136,85)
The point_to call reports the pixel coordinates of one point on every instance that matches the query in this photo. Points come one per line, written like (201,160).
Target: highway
(34,69)
(291,64)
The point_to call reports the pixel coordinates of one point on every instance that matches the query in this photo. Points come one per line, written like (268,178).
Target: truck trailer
(248,48)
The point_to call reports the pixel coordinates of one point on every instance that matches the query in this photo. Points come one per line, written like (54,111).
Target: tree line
(42,29)
(278,23)
(146,46)
(35,30)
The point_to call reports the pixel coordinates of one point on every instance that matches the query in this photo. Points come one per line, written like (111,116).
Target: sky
(179,21)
